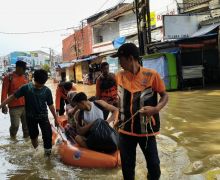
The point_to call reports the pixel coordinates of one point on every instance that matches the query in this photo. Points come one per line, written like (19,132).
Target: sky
(18,16)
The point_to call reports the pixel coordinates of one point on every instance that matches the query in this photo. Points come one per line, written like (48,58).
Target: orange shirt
(136,91)
(108,95)
(61,93)
(11,83)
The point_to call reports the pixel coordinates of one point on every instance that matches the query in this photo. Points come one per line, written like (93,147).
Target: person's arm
(82,130)
(98,92)
(150,110)
(73,88)
(57,99)
(158,86)
(5,87)
(8,100)
(114,111)
(49,101)
(19,93)
(52,110)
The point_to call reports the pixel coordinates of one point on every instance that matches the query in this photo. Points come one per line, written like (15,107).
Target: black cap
(127,49)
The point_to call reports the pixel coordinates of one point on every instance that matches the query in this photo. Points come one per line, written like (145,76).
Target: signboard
(159,8)
(152,19)
(179,26)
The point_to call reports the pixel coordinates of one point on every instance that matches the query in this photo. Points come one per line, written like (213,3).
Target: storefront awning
(65,65)
(205,29)
(84,59)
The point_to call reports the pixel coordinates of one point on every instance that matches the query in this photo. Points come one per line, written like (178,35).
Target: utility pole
(142,8)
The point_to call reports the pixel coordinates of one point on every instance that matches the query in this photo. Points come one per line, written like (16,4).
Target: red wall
(78,44)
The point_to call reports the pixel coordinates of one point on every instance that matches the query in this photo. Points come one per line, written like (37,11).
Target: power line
(54,30)
(36,32)
(102,6)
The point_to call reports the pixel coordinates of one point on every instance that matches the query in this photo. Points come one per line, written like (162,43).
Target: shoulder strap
(10,78)
(104,111)
(81,114)
(98,105)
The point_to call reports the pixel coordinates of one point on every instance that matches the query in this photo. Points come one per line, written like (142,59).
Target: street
(188,144)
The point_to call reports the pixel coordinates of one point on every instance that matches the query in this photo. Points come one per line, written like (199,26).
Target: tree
(46,67)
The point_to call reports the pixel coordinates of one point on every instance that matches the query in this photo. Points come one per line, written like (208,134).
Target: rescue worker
(106,88)
(11,83)
(61,96)
(139,120)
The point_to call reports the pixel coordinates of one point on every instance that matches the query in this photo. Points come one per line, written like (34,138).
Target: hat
(127,49)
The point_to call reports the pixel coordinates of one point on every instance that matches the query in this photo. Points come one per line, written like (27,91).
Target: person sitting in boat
(88,112)
(70,110)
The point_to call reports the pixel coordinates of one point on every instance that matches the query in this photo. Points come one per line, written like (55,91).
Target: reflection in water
(191,120)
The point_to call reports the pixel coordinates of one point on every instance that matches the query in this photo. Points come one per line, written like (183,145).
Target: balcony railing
(191,4)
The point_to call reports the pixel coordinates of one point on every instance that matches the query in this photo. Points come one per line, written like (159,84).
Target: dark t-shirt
(36,100)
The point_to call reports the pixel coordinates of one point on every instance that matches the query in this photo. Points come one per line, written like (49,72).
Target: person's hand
(4,109)
(115,125)
(57,112)
(148,111)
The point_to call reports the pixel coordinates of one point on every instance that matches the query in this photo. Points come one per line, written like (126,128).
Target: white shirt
(94,114)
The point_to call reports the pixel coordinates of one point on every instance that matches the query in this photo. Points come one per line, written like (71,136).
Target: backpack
(102,137)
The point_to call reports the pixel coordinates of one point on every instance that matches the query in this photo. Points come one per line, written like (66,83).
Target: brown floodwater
(189,144)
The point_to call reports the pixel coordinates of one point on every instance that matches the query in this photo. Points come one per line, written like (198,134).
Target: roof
(114,14)
(65,65)
(205,29)
(84,59)
(94,17)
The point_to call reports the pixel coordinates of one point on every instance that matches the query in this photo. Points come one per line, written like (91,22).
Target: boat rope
(128,119)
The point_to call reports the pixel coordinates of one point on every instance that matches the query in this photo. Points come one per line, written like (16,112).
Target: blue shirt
(36,100)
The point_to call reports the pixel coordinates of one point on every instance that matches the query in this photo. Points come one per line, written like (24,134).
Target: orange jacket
(135,92)
(61,93)
(11,83)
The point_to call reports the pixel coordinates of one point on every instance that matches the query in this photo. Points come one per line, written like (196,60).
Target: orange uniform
(135,92)
(61,93)
(108,93)
(11,83)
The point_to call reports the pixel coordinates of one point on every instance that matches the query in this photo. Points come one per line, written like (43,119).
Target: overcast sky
(18,16)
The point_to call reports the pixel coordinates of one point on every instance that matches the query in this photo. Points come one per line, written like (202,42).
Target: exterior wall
(158,9)
(128,24)
(78,69)
(78,44)
(107,31)
(18,55)
(103,36)
(69,74)
(38,59)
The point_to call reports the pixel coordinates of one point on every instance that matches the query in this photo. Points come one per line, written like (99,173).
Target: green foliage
(46,67)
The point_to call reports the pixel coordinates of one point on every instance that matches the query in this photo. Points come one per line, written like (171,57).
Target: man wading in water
(139,111)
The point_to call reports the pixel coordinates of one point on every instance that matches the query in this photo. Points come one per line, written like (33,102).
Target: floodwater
(189,144)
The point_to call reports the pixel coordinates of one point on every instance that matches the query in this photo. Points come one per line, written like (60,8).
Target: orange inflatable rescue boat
(74,155)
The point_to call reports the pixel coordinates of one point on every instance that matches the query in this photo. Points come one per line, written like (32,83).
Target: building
(39,58)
